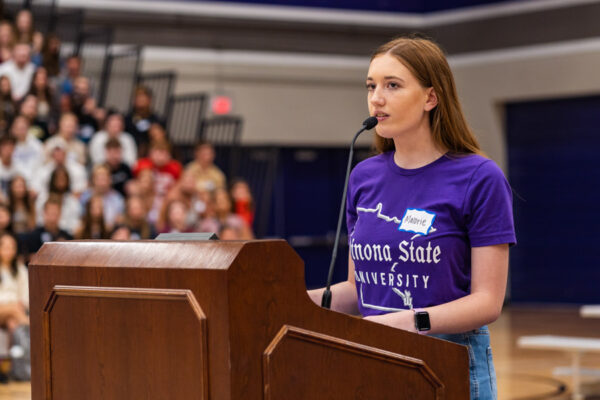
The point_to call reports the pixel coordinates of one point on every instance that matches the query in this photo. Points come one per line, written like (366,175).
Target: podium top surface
(213,254)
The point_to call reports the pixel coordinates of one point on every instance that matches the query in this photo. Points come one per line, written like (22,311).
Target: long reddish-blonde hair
(426,61)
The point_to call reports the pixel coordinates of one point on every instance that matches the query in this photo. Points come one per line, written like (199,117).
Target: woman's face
(8,248)
(136,209)
(96,207)
(4,218)
(396,98)
(19,188)
(40,79)
(4,85)
(24,21)
(61,181)
(222,201)
(6,34)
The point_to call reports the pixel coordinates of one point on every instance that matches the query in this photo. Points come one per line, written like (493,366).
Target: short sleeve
(488,209)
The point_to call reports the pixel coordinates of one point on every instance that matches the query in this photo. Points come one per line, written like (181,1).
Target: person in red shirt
(165,169)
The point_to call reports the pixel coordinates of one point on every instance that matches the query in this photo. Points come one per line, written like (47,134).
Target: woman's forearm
(343,297)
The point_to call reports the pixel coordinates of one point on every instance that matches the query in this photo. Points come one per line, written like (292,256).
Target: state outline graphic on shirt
(377,211)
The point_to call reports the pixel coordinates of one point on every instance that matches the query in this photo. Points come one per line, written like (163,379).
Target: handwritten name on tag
(417,221)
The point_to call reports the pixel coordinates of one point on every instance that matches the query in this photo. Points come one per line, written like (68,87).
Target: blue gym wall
(554,169)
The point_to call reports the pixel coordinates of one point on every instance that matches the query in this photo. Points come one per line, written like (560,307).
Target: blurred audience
(58,158)
(8,168)
(243,203)
(120,173)
(21,206)
(48,231)
(113,130)
(94,224)
(67,129)
(113,203)
(7,40)
(14,285)
(59,189)
(208,176)
(141,118)
(19,70)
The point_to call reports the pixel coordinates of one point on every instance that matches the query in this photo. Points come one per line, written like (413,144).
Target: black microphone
(368,123)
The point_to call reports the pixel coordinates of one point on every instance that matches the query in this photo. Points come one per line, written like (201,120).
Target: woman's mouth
(381,116)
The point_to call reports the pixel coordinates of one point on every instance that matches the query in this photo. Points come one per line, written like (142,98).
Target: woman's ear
(432,99)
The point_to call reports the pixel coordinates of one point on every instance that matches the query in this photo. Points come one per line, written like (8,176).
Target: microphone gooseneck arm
(326,299)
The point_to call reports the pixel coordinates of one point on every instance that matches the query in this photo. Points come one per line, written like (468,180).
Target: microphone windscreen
(370,122)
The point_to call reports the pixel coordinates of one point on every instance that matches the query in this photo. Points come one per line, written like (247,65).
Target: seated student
(58,158)
(243,203)
(21,206)
(143,187)
(14,286)
(8,107)
(185,190)
(136,221)
(5,219)
(8,169)
(141,118)
(29,151)
(60,189)
(177,218)
(219,213)
(113,203)
(67,130)
(7,40)
(47,105)
(121,232)
(37,127)
(113,130)
(208,176)
(19,70)
(66,81)
(120,173)
(84,106)
(48,231)
(94,225)
(166,172)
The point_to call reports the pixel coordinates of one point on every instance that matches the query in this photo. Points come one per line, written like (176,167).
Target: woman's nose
(377,97)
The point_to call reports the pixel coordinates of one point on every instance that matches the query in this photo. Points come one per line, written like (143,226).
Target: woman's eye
(370,87)
(393,85)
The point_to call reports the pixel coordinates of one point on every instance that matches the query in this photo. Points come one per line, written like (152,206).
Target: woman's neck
(416,149)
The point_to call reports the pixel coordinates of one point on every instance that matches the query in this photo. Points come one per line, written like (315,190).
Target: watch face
(422,321)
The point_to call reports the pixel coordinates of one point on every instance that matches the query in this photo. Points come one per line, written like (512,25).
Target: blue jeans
(481,364)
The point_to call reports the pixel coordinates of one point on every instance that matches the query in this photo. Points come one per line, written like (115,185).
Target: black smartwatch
(422,323)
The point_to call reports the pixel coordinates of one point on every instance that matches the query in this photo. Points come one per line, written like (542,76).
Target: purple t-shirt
(411,231)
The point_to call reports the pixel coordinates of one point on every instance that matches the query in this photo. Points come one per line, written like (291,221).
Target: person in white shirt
(19,70)
(58,157)
(29,151)
(14,285)
(67,128)
(114,129)
(8,169)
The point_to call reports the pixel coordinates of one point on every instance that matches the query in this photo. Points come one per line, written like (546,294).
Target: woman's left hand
(404,320)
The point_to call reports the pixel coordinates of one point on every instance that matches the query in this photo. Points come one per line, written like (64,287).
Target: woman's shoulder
(475,165)
(372,164)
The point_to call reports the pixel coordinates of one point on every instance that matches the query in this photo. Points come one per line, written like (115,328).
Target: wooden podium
(213,320)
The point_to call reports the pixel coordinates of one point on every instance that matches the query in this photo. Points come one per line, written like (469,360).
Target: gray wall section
(303,100)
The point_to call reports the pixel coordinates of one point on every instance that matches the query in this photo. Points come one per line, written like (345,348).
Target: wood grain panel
(162,332)
(355,371)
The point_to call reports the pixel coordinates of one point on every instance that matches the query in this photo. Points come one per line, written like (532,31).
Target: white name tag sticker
(417,221)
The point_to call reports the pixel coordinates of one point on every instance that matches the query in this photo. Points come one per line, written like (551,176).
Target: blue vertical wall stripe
(554,164)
